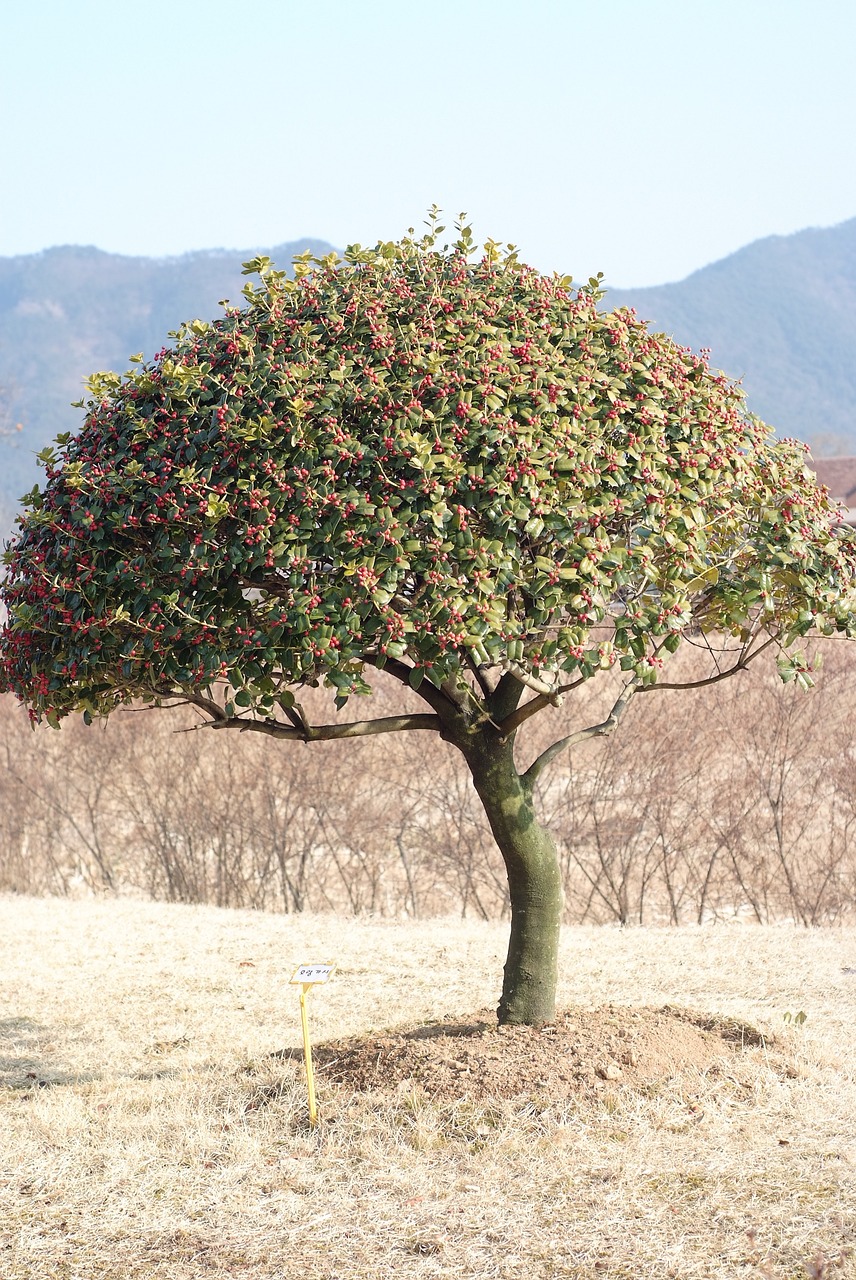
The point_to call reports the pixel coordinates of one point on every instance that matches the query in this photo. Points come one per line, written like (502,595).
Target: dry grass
(150,1131)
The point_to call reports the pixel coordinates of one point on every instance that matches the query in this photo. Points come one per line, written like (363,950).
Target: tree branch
(438,699)
(531,682)
(740,665)
(300,730)
(209,706)
(593,731)
(329,732)
(607,726)
(481,681)
(296,715)
(505,698)
(533,706)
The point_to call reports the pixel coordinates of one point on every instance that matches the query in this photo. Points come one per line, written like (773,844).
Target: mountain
(781,315)
(69,311)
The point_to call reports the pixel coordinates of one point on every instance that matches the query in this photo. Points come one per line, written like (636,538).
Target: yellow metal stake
(307,1053)
(308,976)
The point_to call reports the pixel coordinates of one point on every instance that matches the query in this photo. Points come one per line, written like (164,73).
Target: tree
(449,468)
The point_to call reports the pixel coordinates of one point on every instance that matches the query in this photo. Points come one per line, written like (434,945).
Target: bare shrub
(716,803)
(722,802)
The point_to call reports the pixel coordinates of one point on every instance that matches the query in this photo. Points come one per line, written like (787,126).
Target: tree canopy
(446,465)
(409,456)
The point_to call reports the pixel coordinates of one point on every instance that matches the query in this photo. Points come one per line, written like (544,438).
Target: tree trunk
(534,883)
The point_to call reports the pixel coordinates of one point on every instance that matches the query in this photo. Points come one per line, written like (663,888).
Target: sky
(640,138)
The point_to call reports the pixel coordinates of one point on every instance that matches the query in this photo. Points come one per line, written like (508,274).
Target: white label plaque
(312,973)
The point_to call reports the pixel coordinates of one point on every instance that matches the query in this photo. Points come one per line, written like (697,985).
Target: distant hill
(67,312)
(781,315)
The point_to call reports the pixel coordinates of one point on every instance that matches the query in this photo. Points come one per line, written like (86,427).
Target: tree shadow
(434,1030)
(324,1054)
(732,1030)
(25,1057)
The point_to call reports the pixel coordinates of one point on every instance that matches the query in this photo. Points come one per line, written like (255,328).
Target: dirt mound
(581,1052)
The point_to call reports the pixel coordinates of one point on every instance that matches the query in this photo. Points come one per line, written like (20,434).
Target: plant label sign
(312,973)
(307,976)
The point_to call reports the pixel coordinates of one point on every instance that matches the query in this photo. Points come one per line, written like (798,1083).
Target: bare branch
(329,732)
(296,715)
(209,706)
(438,699)
(593,731)
(531,682)
(300,730)
(533,706)
(741,665)
(476,670)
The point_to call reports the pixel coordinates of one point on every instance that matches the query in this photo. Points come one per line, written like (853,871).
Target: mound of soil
(581,1052)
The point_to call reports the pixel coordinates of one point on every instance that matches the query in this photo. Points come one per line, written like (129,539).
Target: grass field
(151,1128)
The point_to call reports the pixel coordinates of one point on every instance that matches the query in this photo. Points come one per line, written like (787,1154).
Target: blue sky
(642,138)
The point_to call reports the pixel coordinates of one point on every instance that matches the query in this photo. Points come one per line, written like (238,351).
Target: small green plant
(795,1019)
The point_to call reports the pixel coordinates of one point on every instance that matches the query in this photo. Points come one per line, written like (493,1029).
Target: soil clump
(583,1051)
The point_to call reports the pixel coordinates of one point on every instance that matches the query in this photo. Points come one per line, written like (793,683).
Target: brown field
(153,1126)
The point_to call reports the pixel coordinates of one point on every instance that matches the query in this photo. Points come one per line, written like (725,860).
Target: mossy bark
(534,883)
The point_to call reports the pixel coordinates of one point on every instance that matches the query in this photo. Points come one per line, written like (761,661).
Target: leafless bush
(721,802)
(738,800)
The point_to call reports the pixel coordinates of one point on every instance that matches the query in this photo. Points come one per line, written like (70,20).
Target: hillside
(781,315)
(69,311)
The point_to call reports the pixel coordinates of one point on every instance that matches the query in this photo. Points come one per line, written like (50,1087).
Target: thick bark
(534,882)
